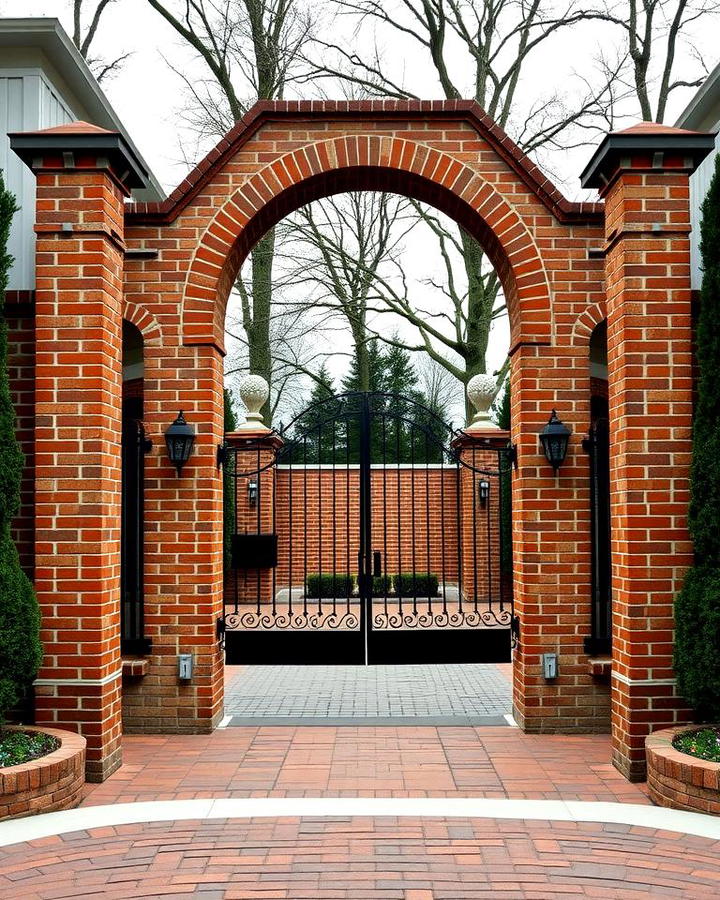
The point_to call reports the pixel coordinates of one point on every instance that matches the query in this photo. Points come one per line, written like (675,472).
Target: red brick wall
(318,517)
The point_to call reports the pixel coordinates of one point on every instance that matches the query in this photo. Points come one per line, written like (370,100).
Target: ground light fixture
(554,439)
(179,438)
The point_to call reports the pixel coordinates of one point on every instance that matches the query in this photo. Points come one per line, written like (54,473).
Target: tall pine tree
(20,649)
(318,430)
(697,607)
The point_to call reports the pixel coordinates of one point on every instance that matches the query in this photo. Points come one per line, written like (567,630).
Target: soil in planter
(703,743)
(18,747)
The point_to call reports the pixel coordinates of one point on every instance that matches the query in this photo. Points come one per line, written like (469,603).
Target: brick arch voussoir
(587,322)
(453,187)
(145,323)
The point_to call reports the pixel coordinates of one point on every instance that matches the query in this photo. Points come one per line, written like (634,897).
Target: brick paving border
(386,858)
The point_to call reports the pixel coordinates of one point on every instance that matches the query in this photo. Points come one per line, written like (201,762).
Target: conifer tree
(20,649)
(320,424)
(375,361)
(697,607)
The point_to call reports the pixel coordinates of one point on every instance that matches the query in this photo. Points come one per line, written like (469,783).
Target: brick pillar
(643,175)
(79,265)
(254,457)
(480,520)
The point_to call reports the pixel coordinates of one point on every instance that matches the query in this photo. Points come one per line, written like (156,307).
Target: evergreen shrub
(697,606)
(20,649)
(416,584)
(382,585)
(329,585)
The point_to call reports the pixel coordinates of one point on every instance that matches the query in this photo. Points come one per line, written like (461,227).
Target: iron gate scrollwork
(367,531)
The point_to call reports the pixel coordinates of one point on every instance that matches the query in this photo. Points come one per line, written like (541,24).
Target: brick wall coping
(289,111)
(678,780)
(50,783)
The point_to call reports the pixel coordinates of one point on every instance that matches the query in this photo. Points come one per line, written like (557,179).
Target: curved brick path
(354,858)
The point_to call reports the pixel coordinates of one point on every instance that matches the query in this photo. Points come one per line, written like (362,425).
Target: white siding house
(702,114)
(43,82)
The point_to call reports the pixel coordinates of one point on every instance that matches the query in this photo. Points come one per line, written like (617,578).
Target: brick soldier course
(169,267)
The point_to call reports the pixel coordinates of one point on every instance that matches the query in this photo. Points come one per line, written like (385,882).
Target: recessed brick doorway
(382,695)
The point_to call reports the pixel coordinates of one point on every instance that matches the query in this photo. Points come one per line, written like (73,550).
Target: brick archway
(366,162)
(562,265)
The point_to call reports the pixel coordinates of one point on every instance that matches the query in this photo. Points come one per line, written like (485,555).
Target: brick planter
(679,780)
(47,784)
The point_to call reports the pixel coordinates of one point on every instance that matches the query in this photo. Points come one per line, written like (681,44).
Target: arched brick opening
(560,264)
(367,163)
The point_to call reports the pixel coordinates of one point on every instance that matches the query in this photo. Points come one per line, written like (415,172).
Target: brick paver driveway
(437,694)
(311,853)
(365,761)
(354,858)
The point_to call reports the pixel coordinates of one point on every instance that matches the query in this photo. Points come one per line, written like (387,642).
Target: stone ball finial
(481,391)
(254,391)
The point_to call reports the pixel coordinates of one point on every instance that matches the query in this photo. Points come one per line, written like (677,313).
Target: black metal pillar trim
(597,445)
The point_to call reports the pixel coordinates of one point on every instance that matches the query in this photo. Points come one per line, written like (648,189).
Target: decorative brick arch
(366,162)
(588,322)
(145,322)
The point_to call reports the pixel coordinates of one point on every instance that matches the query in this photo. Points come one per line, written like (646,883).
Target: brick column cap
(81,146)
(254,439)
(484,436)
(646,145)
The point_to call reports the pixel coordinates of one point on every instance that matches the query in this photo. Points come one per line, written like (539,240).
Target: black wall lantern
(483,491)
(179,438)
(554,438)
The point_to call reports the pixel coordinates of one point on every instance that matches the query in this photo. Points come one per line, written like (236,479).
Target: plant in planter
(20,650)
(697,606)
(704,743)
(17,747)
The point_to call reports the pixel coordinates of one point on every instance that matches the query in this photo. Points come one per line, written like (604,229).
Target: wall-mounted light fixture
(554,439)
(252,492)
(483,491)
(179,438)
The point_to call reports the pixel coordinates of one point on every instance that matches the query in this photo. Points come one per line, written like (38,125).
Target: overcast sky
(147,95)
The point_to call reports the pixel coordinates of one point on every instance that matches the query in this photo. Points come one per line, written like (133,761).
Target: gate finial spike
(254,391)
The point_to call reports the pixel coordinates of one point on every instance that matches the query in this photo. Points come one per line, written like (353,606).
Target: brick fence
(169,268)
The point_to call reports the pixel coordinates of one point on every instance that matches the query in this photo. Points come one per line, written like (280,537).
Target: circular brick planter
(679,780)
(47,784)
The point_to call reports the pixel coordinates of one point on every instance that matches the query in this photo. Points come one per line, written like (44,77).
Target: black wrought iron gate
(367,531)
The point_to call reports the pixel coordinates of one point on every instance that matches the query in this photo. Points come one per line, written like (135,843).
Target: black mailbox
(254,551)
